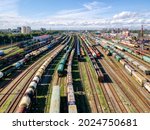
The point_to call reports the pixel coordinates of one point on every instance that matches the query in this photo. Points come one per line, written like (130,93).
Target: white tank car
(43,67)
(36,79)
(41,70)
(29,91)
(38,74)
(33,84)
(25,101)
(1,74)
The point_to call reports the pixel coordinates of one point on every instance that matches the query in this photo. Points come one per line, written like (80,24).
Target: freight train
(99,73)
(78,49)
(133,52)
(93,50)
(8,70)
(137,76)
(27,47)
(61,66)
(122,59)
(27,99)
(111,49)
(72,108)
(134,62)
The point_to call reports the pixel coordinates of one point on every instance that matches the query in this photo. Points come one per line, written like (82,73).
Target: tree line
(7,38)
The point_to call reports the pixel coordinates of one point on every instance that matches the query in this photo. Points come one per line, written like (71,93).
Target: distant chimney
(142,32)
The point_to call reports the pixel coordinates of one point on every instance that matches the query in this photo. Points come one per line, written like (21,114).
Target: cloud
(81,17)
(92,5)
(89,16)
(125,14)
(133,19)
(8,7)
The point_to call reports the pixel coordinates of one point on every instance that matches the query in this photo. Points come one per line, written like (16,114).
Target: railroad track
(141,62)
(24,89)
(93,88)
(118,69)
(114,102)
(12,107)
(129,94)
(119,83)
(18,81)
(107,97)
(139,71)
(134,89)
(113,94)
(138,59)
(117,98)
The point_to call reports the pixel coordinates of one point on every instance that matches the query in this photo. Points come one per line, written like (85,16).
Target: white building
(25,29)
(28,29)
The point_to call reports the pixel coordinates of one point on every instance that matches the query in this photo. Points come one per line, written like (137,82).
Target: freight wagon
(147,86)
(139,78)
(55,100)
(7,71)
(72,109)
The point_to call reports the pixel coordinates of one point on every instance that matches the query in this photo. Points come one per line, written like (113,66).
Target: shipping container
(126,57)
(114,54)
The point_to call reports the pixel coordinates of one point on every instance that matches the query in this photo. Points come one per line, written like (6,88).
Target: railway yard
(74,72)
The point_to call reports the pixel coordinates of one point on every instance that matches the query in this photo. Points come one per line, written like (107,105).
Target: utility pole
(11,42)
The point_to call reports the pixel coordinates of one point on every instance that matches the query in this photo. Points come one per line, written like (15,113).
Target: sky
(75,14)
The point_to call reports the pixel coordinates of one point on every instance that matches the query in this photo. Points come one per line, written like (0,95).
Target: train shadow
(106,78)
(82,60)
(36,108)
(63,104)
(80,96)
(82,103)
